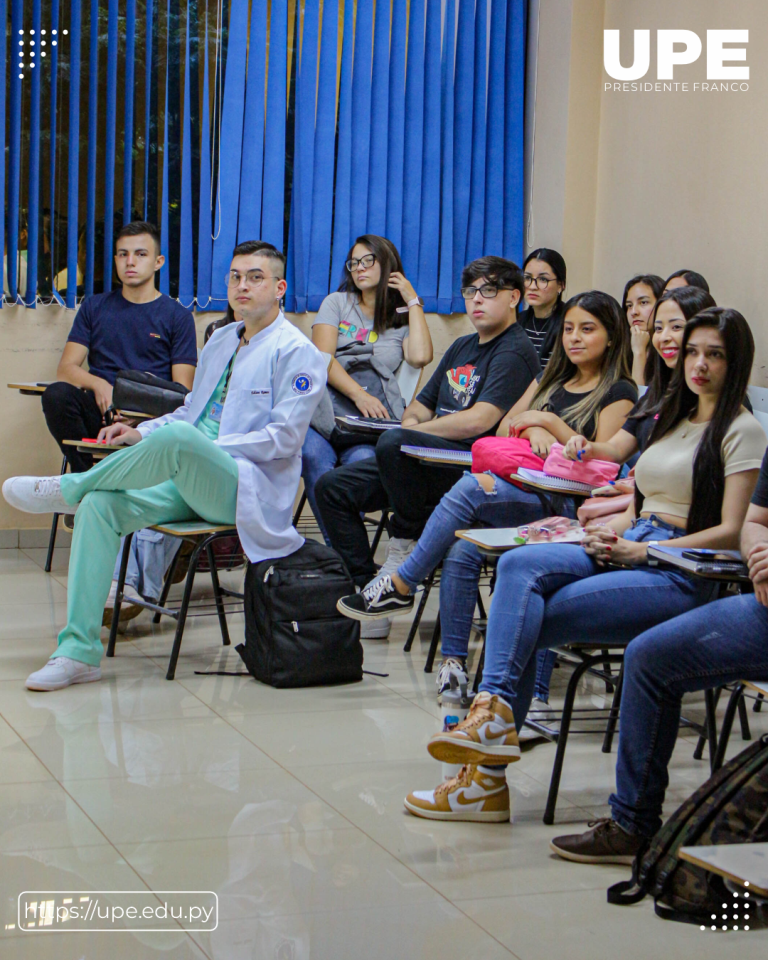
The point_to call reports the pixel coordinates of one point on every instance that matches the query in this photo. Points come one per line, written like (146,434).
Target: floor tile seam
(537,893)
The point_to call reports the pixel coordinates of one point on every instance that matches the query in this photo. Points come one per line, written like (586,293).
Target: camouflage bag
(731,807)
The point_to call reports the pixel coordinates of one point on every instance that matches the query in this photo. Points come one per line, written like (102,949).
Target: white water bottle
(455,704)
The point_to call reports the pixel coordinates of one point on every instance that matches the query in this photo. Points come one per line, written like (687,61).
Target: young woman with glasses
(544,278)
(370,325)
(640,296)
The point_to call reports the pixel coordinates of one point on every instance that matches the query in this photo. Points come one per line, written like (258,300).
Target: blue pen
(612,483)
(579,454)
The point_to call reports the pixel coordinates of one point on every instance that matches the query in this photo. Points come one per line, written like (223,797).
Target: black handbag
(146,393)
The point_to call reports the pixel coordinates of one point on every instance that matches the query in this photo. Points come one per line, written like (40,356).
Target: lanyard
(229,374)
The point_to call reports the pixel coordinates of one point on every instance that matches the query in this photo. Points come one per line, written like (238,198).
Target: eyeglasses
(253,278)
(367,261)
(541,283)
(488,291)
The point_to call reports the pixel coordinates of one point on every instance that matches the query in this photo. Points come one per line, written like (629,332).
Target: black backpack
(731,807)
(294,636)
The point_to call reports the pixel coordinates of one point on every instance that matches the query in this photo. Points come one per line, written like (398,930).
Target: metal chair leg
(419,612)
(479,673)
(608,684)
(711,699)
(758,704)
(746,733)
(565,725)
(725,733)
(436,634)
(481,607)
(613,716)
(119,596)
(182,618)
(168,584)
(379,531)
(217,594)
(302,502)
(54,526)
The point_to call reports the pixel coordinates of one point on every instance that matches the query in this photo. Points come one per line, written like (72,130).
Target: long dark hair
(681,401)
(657,374)
(615,365)
(388,299)
(555,260)
(692,278)
(650,280)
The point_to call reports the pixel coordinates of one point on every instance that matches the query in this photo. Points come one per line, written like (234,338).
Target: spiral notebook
(537,478)
(461,458)
(367,424)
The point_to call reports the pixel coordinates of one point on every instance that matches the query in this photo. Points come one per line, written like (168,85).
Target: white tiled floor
(288,804)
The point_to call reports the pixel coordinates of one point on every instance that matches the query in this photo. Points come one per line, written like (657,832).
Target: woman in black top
(670,315)
(544,278)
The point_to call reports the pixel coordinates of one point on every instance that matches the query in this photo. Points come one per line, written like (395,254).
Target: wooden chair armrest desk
(745,864)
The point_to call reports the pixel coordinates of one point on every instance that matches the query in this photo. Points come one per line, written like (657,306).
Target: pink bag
(503,456)
(594,472)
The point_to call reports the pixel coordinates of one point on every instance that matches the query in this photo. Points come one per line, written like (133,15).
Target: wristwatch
(415,302)
(652,562)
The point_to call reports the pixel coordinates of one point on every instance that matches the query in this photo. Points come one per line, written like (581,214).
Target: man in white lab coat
(230,454)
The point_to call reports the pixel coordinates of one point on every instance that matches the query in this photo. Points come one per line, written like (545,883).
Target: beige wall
(31,342)
(655,181)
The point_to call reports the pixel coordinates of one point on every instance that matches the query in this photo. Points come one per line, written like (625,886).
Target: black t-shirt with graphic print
(760,496)
(497,372)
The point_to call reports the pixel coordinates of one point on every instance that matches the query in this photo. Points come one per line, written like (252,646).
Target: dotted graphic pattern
(735,915)
(35,47)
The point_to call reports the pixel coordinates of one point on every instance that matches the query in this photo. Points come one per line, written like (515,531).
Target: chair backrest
(408,379)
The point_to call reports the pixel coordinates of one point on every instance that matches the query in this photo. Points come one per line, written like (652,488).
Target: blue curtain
(300,122)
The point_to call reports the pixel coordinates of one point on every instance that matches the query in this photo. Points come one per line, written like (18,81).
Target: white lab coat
(276,384)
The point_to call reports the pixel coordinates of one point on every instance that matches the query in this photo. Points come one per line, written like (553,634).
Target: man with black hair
(134,328)
(478,379)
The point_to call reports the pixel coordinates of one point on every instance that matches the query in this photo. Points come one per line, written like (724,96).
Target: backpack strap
(630,891)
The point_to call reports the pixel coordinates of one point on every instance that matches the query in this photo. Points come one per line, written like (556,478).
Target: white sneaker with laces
(375,629)
(62,672)
(451,666)
(36,495)
(397,553)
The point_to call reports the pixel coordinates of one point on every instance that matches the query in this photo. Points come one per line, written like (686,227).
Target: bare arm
(70,370)
(618,449)
(459,426)
(639,340)
(325,337)
(754,549)
(416,413)
(183,373)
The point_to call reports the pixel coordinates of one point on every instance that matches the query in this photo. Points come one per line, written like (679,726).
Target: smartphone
(710,556)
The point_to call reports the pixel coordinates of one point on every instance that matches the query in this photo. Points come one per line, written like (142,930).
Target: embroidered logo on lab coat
(301,383)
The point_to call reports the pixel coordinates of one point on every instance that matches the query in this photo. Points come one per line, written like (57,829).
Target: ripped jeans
(467,504)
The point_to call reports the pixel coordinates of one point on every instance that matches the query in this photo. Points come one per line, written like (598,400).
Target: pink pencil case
(597,473)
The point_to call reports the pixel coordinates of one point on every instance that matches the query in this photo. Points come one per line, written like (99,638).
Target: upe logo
(676,48)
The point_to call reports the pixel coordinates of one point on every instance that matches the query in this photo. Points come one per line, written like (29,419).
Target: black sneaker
(606,842)
(378,599)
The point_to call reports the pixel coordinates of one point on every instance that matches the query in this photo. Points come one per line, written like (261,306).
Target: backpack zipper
(295,626)
(268,574)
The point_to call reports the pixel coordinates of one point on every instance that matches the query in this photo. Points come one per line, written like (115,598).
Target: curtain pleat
(73,153)
(93,119)
(33,195)
(305,123)
(4,21)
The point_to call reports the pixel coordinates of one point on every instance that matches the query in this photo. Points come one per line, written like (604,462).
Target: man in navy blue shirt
(134,328)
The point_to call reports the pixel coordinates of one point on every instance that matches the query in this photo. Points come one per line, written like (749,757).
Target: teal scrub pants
(174,474)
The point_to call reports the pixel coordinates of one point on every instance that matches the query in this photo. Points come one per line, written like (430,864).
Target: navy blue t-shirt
(120,335)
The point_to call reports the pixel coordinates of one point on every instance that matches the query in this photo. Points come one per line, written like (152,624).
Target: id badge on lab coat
(216,411)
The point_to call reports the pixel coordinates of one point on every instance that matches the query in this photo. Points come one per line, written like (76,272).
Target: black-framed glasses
(367,261)
(488,291)
(253,278)
(540,283)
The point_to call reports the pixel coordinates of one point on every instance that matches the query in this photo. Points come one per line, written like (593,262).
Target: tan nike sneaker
(472,795)
(486,735)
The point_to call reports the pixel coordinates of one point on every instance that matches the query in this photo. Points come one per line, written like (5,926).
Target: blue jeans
(467,504)
(151,555)
(724,642)
(551,594)
(318,457)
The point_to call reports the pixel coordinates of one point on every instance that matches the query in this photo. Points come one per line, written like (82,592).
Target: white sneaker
(36,495)
(129,594)
(62,672)
(397,553)
(540,713)
(375,629)
(451,666)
